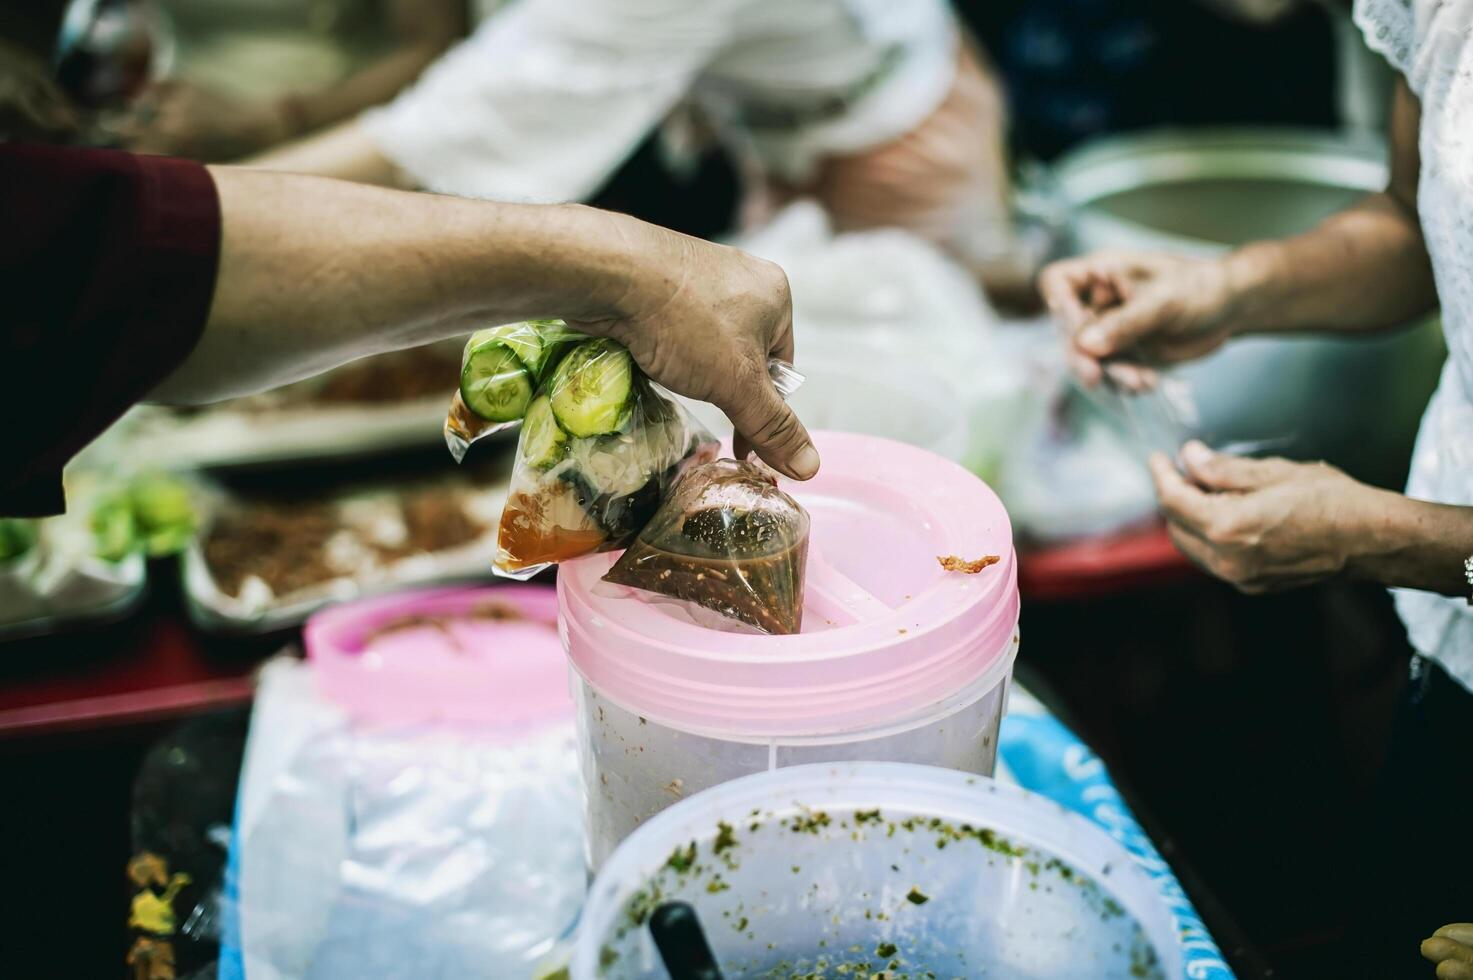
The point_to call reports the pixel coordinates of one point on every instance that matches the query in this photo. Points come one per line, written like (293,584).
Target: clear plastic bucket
(857,869)
(898,659)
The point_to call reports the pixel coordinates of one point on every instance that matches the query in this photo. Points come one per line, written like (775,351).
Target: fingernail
(805,464)
(1196,452)
(1093,339)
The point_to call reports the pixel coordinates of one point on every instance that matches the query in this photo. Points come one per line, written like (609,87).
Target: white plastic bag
(401,853)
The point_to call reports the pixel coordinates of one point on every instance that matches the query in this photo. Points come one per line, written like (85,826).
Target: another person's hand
(1451,948)
(702,320)
(1265,524)
(1134,309)
(182,119)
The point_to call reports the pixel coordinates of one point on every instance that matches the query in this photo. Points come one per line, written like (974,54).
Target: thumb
(769,424)
(1122,327)
(1223,471)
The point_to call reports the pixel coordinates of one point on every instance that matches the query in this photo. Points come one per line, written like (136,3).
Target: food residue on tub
(810,822)
(916,897)
(486,611)
(952,563)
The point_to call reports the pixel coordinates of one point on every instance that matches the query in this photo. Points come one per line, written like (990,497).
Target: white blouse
(548,97)
(1431,43)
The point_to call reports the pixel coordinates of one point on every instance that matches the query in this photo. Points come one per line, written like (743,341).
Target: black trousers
(1418,852)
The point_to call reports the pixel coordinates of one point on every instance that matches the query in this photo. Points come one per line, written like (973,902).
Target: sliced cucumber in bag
(495,384)
(522,339)
(592,389)
(544,442)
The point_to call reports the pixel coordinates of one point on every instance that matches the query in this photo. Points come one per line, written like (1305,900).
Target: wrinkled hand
(180,119)
(702,320)
(1134,309)
(1451,948)
(1263,524)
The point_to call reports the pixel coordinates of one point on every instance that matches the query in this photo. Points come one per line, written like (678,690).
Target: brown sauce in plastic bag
(728,540)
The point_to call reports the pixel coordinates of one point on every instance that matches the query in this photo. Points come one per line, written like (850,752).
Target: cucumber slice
(554,349)
(592,388)
(495,384)
(543,441)
(522,339)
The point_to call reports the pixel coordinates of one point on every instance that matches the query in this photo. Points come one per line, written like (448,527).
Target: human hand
(1264,524)
(1133,309)
(702,320)
(181,119)
(1451,948)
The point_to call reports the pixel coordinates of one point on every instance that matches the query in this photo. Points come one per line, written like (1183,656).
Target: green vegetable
(556,340)
(114,528)
(17,536)
(154,514)
(593,388)
(522,339)
(543,441)
(164,513)
(495,383)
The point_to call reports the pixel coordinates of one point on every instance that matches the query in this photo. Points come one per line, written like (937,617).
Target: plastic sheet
(600,447)
(727,540)
(400,853)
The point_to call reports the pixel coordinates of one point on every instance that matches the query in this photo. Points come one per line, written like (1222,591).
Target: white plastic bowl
(824,866)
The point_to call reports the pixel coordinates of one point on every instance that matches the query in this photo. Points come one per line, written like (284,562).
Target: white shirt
(1431,43)
(548,97)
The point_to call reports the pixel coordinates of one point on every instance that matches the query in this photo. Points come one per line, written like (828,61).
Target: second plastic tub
(869,870)
(898,659)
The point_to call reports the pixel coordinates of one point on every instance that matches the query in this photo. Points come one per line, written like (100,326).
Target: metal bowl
(1353,401)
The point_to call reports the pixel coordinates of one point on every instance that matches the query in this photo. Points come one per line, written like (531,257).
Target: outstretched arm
(1363,269)
(316,272)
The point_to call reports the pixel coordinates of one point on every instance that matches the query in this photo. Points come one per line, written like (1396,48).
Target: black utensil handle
(682,943)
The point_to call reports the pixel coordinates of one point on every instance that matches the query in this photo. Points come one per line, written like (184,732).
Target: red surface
(1103,566)
(157,670)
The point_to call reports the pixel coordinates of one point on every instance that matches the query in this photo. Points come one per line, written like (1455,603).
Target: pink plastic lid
(484,657)
(887,633)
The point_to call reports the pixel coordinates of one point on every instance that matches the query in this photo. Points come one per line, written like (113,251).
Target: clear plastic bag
(387,851)
(500,370)
(600,447)
(728,540)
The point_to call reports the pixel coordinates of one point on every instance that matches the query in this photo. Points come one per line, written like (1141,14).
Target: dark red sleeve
(107,268)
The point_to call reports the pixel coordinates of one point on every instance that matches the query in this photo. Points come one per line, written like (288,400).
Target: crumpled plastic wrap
(726,540)
(400,853)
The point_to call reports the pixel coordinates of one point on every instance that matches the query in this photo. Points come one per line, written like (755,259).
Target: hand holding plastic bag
(728,540)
